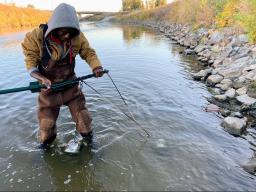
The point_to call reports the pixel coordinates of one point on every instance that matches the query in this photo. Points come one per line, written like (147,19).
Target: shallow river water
(187,150)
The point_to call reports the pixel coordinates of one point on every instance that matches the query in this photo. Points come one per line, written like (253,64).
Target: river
(187,150)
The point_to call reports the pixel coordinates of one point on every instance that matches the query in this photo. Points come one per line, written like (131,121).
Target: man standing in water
(50,52)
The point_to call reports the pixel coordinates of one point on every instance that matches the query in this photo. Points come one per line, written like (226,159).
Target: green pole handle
(36,86)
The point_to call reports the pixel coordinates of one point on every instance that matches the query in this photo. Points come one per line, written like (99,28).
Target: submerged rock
(250,166)
(234,126)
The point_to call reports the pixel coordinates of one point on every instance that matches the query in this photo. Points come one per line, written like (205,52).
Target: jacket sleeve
(87,53)
(31,50)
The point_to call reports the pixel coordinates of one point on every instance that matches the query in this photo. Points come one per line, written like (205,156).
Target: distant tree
(129,5)
(151,4)
(30,6)
(160,2)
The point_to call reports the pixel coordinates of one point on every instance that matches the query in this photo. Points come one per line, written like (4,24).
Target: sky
(80,5)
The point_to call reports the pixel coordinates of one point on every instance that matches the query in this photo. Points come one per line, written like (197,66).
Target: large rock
(234,125)
(245,99)
(239,82)
(230,93)
(217,62)
(214,90)
(216,48)
(201,74)
(251,76)
(200,48)
(250,166)
(243,38)
(251,90)
(214,79)
(189,51)
(212,108)
(225,84)
(216,37)
(220,97)
(249,68)
(234,69)
(241,91)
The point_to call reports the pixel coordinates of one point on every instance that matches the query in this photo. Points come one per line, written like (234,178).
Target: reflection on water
(133,33)
(187,150)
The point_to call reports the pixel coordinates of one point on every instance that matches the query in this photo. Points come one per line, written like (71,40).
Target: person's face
(64,34)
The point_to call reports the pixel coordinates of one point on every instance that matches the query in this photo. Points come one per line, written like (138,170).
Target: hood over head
(63,16)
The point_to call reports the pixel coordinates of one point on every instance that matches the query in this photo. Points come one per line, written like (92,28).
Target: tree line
(129,5)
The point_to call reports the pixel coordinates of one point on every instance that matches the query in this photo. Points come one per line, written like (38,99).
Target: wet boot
(45,145)
(87,137)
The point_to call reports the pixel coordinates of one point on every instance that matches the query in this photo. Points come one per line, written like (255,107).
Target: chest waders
(49,103)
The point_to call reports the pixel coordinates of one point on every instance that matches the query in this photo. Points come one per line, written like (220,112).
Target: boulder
(241,91)
(214,79)
(220,97)
(214,90)
(236,114)
(251,90)
(243,38)
(212,108)
(200,48)
(233,69)
(225,112)
(230,93)
(250,166)
(239,82)
(201,74)
(216,37)
(217,62)
(249,68)
(245,99)
(225,84)
(234,125)
(189,51)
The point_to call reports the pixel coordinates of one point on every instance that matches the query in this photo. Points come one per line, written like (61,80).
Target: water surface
(187,150)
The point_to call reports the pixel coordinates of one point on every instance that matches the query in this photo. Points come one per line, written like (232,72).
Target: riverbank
(229,72)
(17,19)
(230,69)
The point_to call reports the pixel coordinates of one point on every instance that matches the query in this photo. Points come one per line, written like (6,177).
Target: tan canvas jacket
(33,49)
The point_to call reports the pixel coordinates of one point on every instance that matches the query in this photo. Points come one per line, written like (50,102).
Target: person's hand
(98,71)
(47,83)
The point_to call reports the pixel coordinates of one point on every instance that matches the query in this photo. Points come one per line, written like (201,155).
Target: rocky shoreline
(229,63)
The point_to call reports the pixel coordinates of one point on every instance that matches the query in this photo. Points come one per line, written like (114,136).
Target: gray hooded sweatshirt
(63,16)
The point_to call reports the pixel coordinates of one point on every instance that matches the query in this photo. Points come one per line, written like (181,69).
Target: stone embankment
(229,69)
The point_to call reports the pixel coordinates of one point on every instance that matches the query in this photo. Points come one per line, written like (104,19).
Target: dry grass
(15,18)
